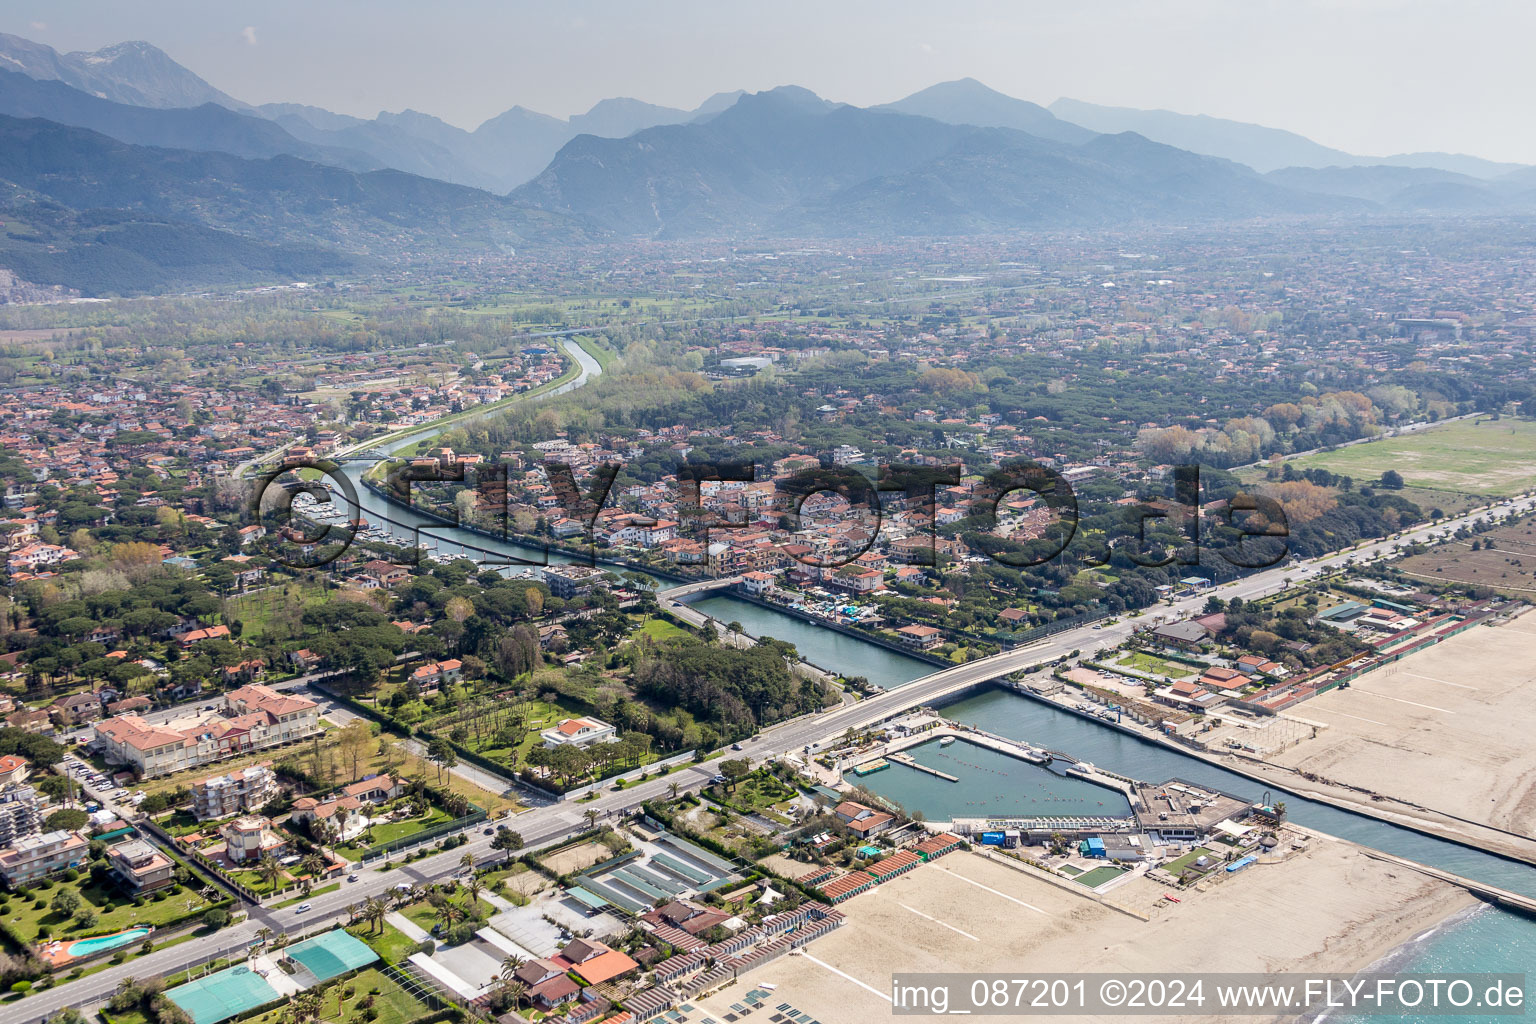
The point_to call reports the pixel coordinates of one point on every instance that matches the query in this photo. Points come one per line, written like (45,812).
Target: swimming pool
(101,943)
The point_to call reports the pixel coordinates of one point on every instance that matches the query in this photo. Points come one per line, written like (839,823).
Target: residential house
(14,770)
(429,678)
(924,638)
(864,822)
(579,732)
(140,867)
(32,858)
(250,838)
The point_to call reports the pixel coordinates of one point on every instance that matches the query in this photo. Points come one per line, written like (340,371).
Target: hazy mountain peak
(967,101)
(133,72)
(718,102)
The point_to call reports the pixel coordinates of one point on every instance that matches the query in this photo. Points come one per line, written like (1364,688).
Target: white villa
(581,732)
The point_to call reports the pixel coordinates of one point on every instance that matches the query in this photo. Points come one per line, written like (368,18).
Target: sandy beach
(1442,735)
(1329,908)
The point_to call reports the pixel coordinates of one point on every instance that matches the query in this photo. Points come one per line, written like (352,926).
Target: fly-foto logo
(1252,528)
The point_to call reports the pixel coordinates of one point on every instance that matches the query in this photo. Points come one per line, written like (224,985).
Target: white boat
(946,741)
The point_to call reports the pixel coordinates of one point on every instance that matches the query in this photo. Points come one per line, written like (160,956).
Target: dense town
(939,457)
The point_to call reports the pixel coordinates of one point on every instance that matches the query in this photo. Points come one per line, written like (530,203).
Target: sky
(1374,77)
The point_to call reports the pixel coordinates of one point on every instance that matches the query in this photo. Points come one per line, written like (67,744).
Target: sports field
(1495,458)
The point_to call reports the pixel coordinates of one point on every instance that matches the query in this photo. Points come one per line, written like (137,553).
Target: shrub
(21,987)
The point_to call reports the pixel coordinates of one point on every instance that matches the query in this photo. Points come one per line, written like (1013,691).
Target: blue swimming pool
(101,943)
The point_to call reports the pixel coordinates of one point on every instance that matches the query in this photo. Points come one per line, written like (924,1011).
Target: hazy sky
(1369,76)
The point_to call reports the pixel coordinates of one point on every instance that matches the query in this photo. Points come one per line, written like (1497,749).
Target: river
(1489,940)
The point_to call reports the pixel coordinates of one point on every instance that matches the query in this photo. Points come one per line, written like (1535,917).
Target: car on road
(717,779)
(302,907)
(488,832)
(735,746)
(352,877)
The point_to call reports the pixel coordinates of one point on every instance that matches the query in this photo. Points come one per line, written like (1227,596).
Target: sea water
(1488,940)
(991,784)
(1483,940)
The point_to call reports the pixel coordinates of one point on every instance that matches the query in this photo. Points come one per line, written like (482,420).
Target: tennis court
(329,955)
(223,994)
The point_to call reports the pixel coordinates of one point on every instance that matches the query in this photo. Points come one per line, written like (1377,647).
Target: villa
(579,732)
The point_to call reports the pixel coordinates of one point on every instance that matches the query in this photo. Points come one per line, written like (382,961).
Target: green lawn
(541,715)
(424,915)
(1148,663)
(1175,866)
(390,943)
(114,911)
(1495,458)
(760,790)
(391,831)
(661,630)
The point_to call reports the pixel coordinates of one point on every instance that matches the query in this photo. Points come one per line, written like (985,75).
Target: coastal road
(549,825)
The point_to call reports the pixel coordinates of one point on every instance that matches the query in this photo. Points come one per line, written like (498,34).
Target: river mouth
(991,785)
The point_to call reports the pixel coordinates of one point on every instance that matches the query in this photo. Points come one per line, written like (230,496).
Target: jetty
(911,762)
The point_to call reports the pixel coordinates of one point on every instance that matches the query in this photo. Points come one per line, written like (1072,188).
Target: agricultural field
(1495,458)
(1505,561)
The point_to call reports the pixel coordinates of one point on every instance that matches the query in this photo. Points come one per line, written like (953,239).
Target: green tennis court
(1098,876)
(223,994)
(326,956)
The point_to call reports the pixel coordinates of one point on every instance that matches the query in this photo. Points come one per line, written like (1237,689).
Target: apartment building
(255,717)
(140,867)
(246,789)
(32,858)
(571,581)
(19,814)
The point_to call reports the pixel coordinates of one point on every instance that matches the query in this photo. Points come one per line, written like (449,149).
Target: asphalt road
(548,825)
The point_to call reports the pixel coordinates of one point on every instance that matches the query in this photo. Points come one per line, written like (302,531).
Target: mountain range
(122,171)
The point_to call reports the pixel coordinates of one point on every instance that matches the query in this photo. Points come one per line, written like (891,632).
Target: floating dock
(879,764)
(910,762)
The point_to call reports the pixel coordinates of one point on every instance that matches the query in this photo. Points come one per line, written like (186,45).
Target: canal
(1488,940)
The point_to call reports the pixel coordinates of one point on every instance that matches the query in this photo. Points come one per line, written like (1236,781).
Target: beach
(1327,908)
(1444,734)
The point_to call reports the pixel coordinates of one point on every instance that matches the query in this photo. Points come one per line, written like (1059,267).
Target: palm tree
(467,862)
(450,913)
(269,870)
(263,933)
(591,815)
(352,909)
(374,912)
(312,865)
(510,965)
(472,901)
(672,790)
(304,1006)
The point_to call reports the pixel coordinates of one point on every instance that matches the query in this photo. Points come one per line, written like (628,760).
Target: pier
(911,762)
